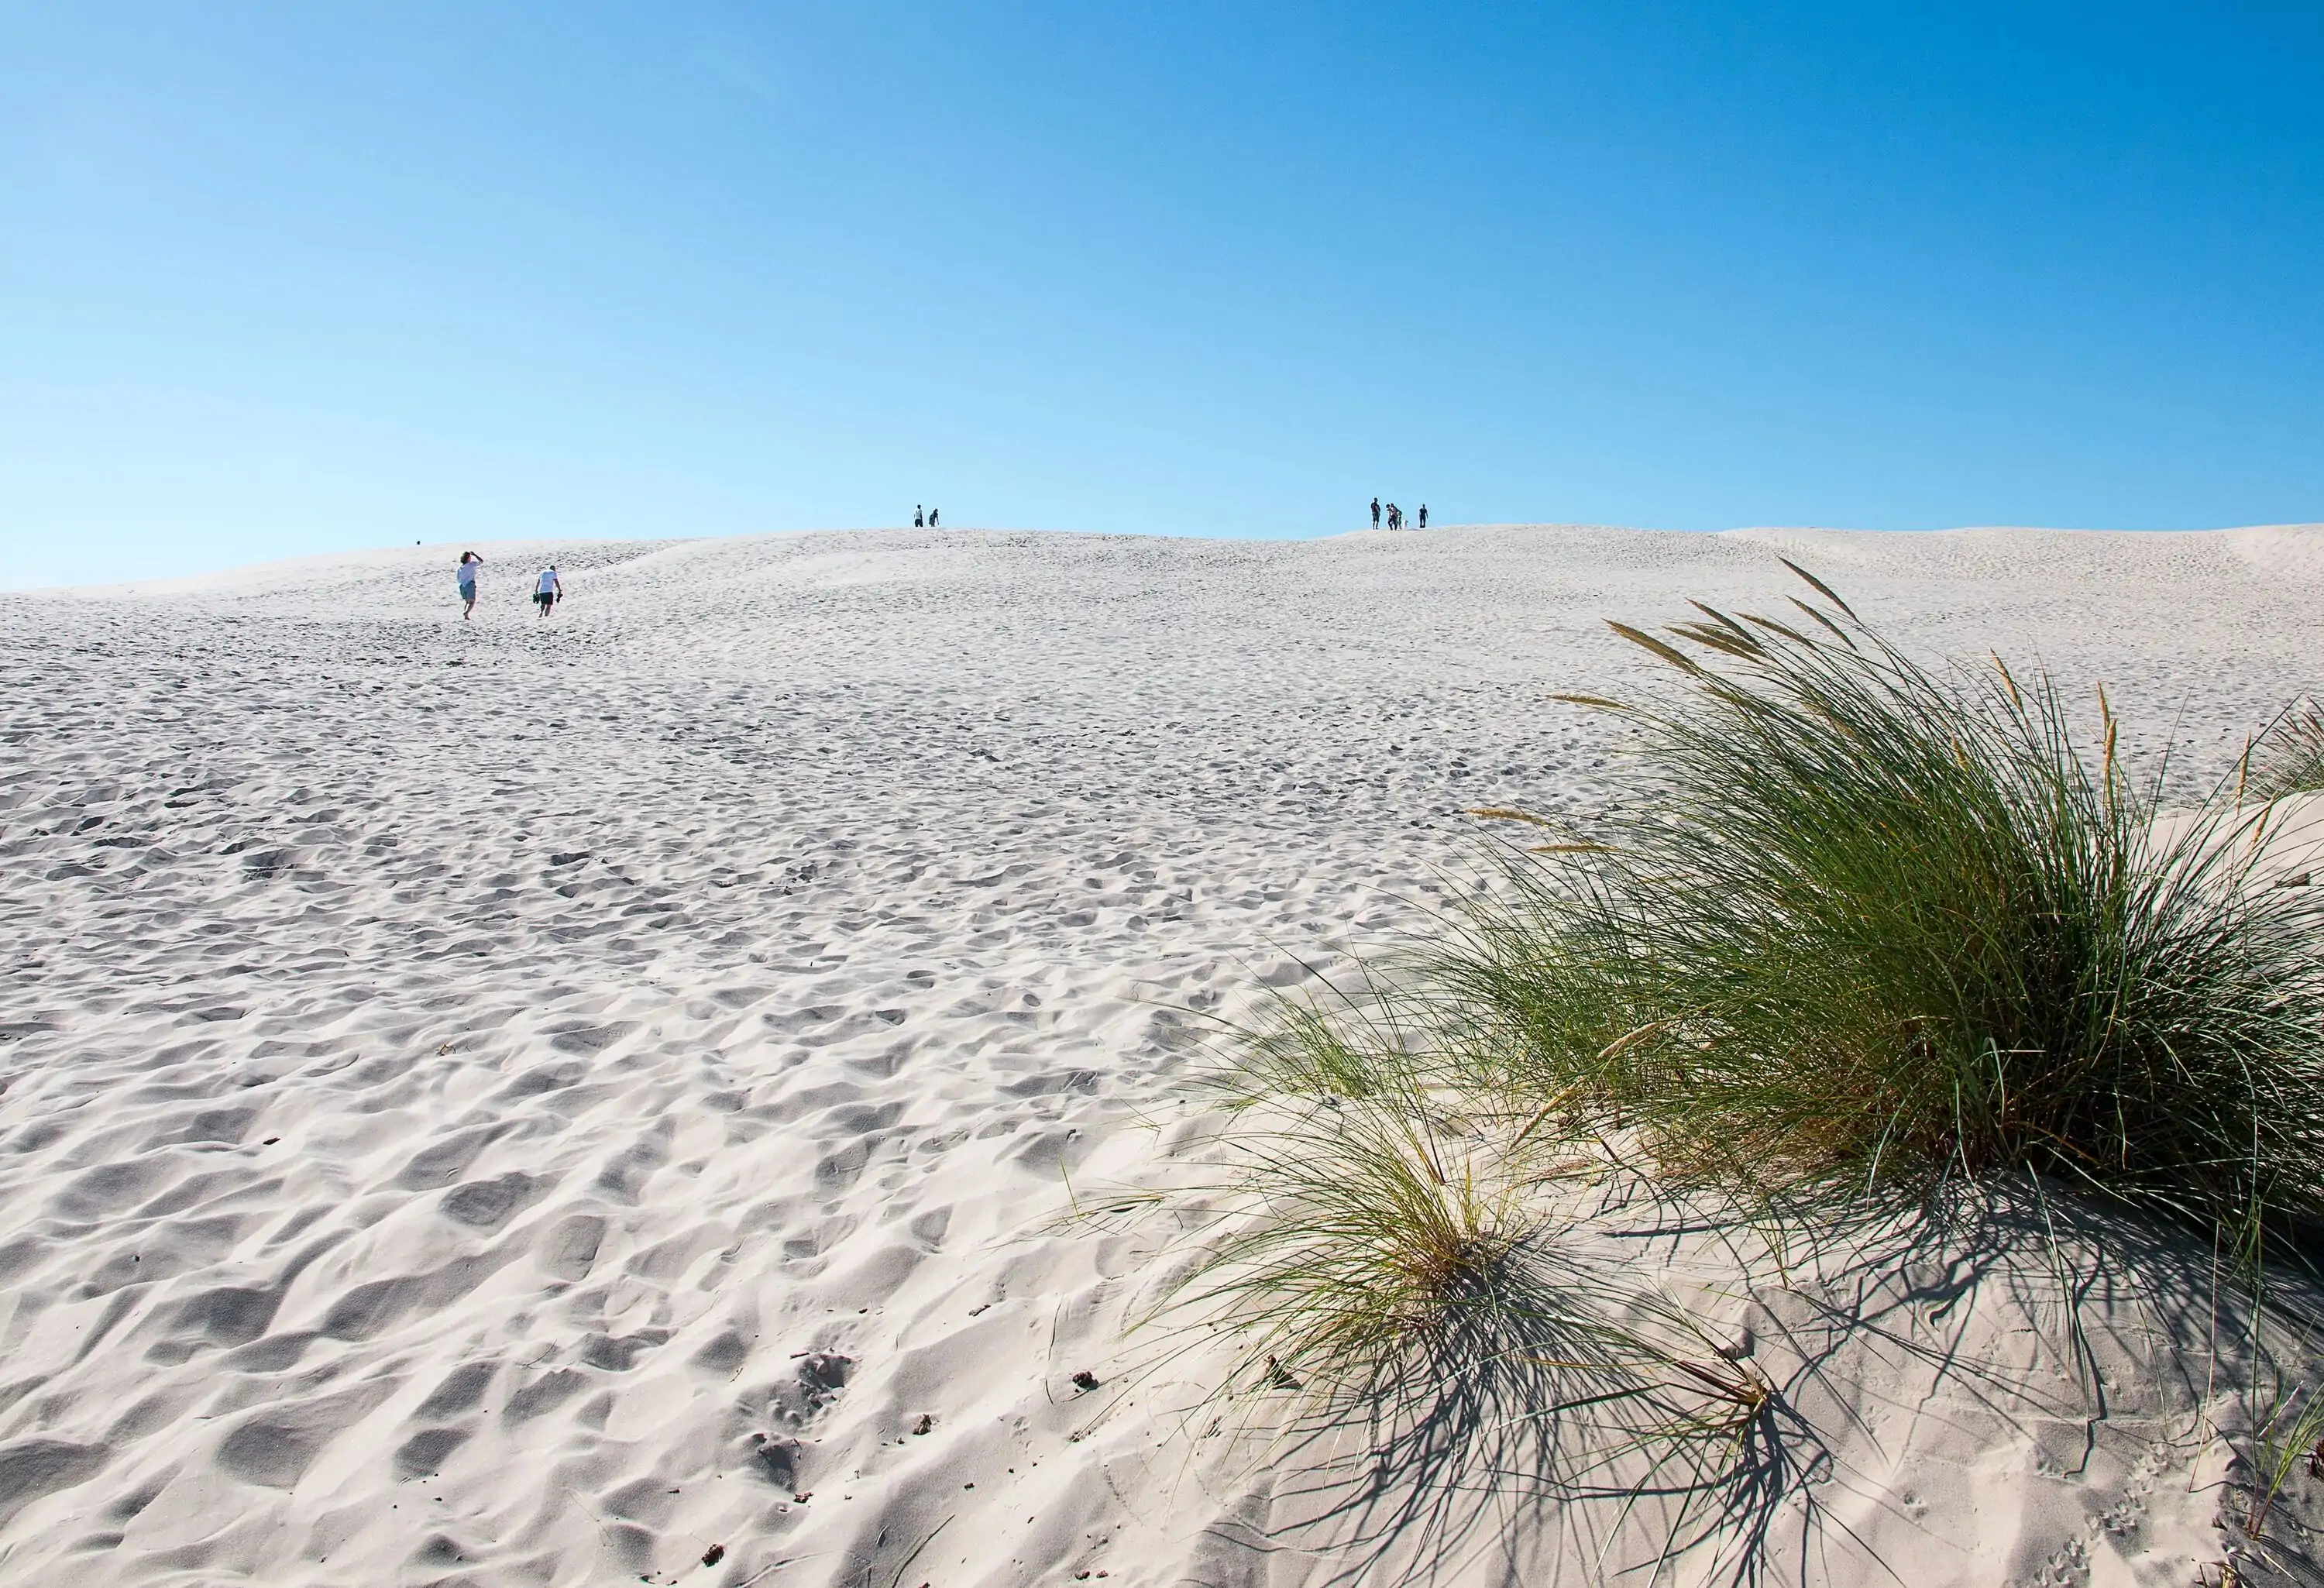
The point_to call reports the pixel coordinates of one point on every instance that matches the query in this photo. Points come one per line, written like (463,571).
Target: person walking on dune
(547,593)
(1375,513)
(1424,515)
(917,516)
(932,518)
(1395,517)
(469,563)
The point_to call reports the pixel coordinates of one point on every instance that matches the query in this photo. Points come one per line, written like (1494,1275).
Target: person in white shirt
(469,563)
(547,592)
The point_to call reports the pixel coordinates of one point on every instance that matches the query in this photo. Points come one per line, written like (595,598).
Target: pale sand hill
(514,1104)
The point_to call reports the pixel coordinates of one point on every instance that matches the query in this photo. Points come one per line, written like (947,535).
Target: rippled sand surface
(570,1101)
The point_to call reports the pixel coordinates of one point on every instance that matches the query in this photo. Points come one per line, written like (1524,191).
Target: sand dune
(561,1102)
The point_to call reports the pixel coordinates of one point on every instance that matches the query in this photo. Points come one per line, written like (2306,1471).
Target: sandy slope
(520,1103)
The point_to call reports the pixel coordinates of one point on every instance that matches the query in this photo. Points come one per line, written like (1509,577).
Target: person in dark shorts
(916,517)
(545,591)
(1424,515)
(1375,513)
(469,563)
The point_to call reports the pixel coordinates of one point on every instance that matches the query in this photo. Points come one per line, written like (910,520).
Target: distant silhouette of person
(932,518)
(1424,515)
(1395,516)
(915,517)
(1375,513)
(469,563)
(547,593)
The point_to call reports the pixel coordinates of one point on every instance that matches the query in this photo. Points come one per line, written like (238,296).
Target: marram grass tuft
(1414,1326)
(1869,928)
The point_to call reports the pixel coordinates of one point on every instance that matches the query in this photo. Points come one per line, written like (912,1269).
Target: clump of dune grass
(2289,758)
(1412,1326)
(1869,927)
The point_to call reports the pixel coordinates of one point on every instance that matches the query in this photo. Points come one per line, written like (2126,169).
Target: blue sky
(287,278)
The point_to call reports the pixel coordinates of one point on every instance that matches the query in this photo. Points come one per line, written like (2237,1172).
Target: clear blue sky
(281,277)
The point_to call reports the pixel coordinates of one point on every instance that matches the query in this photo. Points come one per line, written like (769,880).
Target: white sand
(513,1102)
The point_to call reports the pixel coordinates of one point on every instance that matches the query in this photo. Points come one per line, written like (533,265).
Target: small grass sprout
(2291,1436)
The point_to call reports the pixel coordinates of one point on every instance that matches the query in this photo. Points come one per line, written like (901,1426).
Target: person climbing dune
(466,575)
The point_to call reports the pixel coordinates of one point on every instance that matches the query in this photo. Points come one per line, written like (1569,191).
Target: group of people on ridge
(1395,515)
(916,519)
(547,591)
